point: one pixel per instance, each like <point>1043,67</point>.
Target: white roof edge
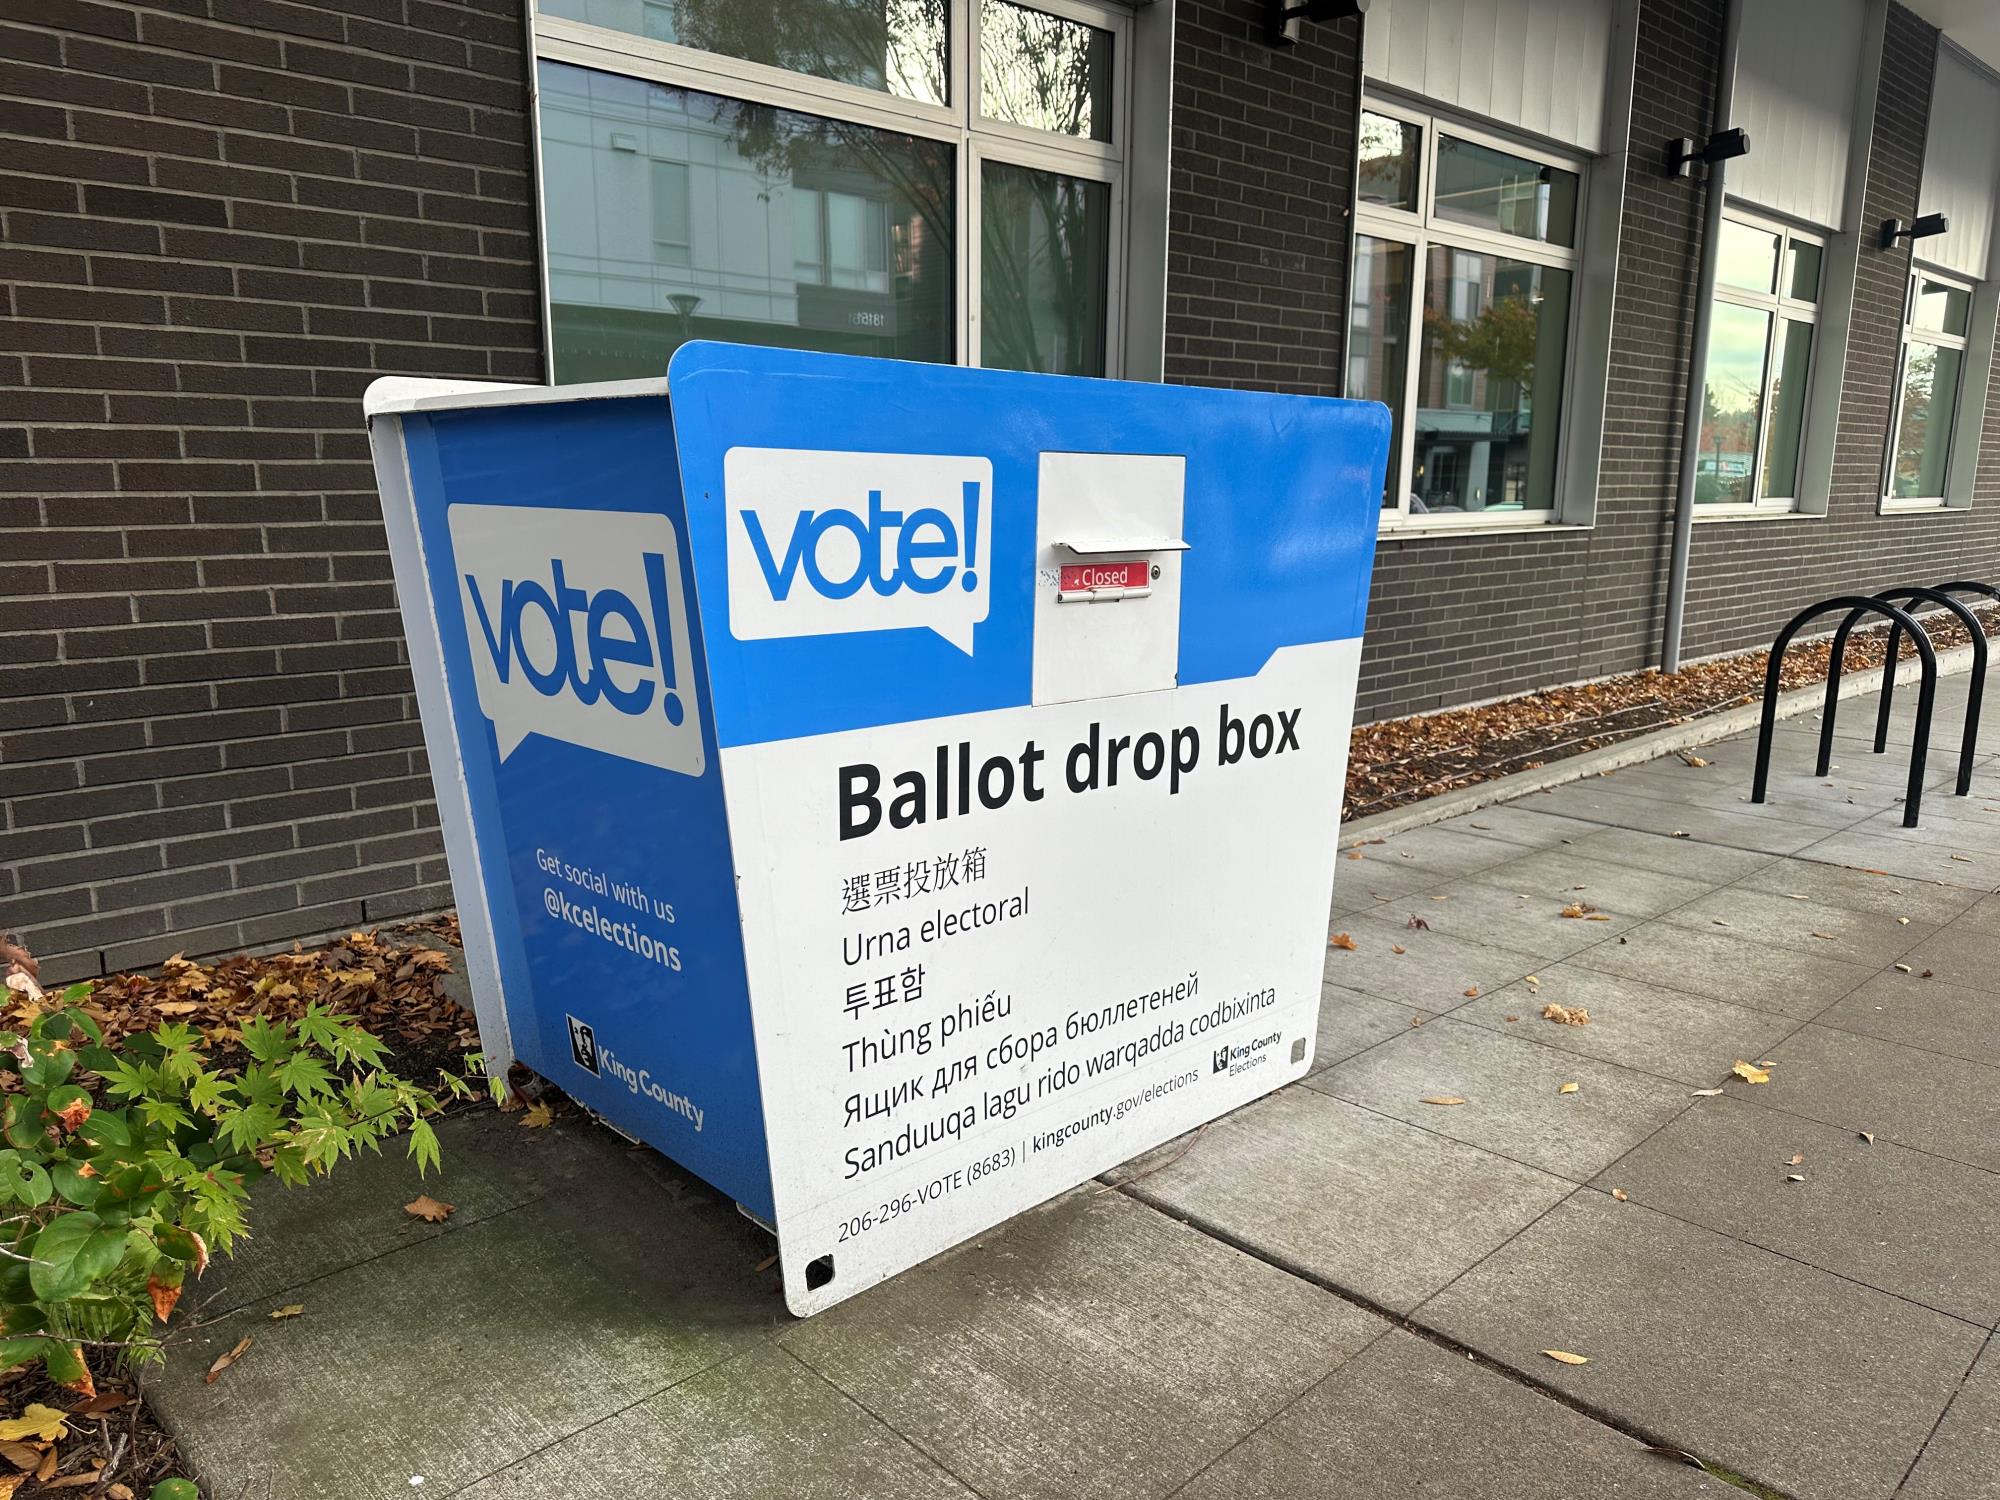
<point>393,394</point>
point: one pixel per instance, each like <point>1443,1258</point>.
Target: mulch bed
<point>114,1448</point>
<point>1400,761</point>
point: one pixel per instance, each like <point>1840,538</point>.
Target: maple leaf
<point>427,1208</point>
<point>44,1422</point>
<point>539,1116</point>
<point>1343,941</point>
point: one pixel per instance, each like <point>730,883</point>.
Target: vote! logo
<point>577,624</point>
<point>833,543</point>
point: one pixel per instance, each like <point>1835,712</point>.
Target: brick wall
<point>219,220</point>
<point>1458,618</point>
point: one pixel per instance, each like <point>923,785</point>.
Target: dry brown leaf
<point>766,1263</point>
<point>1343,941</point>
<point>289,1310</point>
<point>539,1116</point>
<point>1677,834</point>
<point>1577,910</point>
<point>1706,1093</point>
<point>1597,916</point>
<point>23,1456</point>
<point>1566,1357</point>
<point>44,1422</point>
<point>1795,1177</point>
<point>1867,1135</point>
<point>1398,948</point>
<point>1441,1099</point>
<point>1692,759</point>
<point>1903,921</point>
<point>1825,937</point>
<point>1510,1018</point>
<point>1902,968</point>
<point>223,1362</point>
<point>427,1208</point>
<point>1568,1088</point>
<point>1354,854</point>
<point>1798,1157</point>
<point>73,1481</point>
<point>164,1297</point>
<point>48,1464</point>
<point>1417,923</point>
<point>1750,1073</point>
<point>1565,1015</point>
<point>1621,1195</point>
<point>1472,992</point>
<point>11,1483</point>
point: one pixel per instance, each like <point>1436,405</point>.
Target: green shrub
<point>126,1165</point>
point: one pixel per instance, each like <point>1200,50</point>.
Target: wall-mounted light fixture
<point>1722,146</point>
<point>1916,229</point>
<point>1282,17</point>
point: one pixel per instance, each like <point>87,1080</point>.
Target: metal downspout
<point>1704,311</point>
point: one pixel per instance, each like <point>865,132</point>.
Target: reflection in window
<point>1498,190</point>
<point>1788,410</point>
<point>1386,172</point>
<point>1044,266</point>
<point>1494,337</point>
<point>1378,337</point>
<point>897,46</point>
<point>1940,307</point>
<point>1746,256</point>
<point>1732,401</point>
<point>1044,72</point>
<point>1923,426</point>
<point>673,214</point>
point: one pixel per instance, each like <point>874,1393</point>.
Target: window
<point>1937,319</point>
<point>807,173</point>
<point>1459,315</point>
<point>1760,348</point>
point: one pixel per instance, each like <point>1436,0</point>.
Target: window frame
<point>1920,273</point>
<point>959,124</point>
<point>1419,230</point>
<point>1782,308</point>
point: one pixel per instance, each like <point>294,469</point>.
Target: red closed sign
<point>1087,578</point>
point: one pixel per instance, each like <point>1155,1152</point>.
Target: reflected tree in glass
<point>1044,257</point>
<point>1044,71</point>
<point>894,45</point>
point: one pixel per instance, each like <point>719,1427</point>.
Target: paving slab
<point>1566,875</point>
<point>1356,882</point>
<point>1821,807</point>
<point>1091,1347</point>
<point>1511,1088</point>
<point>1865,848</point>
<point>1405,1417</point>
<point>1524,922</point>
<point>471,1350</point>
<point>1930,1014</point>
<point>1944,1105</point>
<point>1863,890</point>
<point>1379,1208</point>
<point>1351,1022</point>
<point>1691,859</point>
<point>1983,914</point>
<point>1438,851</point>
<point>1669,1033</point>
<point>1816,927</point>
<point>1969,956</point>
<point>1728,966</point>
<point>1951,821</point>
<point>1520,823</point>
<point>1958,1463</point>
<point>1754,832</point>
<point>1800,1380</point>
<point>490,1165</point>
<point>1433,971</point>
<point>1895,1219</point>
<point>760,1427</point>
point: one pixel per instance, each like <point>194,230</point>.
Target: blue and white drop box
<point>896,792</point>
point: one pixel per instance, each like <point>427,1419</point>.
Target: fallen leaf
<point>1677,1455</point>
<point>1621,1195</point>
<point>1531,979</point>
<point>1706,1093</point>
<point>120,1492</point>
<point>23,1456</point>
<point>1928,974</point>
<point>1597,916</point>
<point>73,1481</point>
<point>766,1263</point>
<point>1750,1073</point>
<point>1354,854</point>
<point>1868,1136</point>
<point>1903,921</point>
<point>1510,1018</point>
<point>1795,1177</point>
<point>1565,1015</point>
<point>44,1422</point>
<point>427,1208</point>
<point>1416,1021</point>
<point>1718,922</point>
<point>1398,948</point>
<point>1568,1088</point>
<point>1797,1158</point>
<point>1441,1099</point>
<point>222,1363</point>
<point>289,1310</point>
<point>1566,1357</point>
<point>48,1464</point>
<point>1964,859</point>
<point>1577,910</point>
<point>1417,923</point>
<point>1677,834</point>
<point>539,1116</point>
<point>1902,968</point>
<point>1472,992</point>
<point>1338,940</point>
<point>1692,759</point>
<point>1825,937</point>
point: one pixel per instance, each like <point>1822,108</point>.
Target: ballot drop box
<point>895,792</point>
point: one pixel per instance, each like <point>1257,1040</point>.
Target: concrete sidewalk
<point>1338,1291</point>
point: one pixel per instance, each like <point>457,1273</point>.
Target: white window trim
<point>1782,308</point>
<point>1904,504</point>
<point>973,137</point>
<point>1418,230</point>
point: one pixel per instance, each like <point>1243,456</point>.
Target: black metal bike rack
<point>1910,596</point>
<point>1855,605</point>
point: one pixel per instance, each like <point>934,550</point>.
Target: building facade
<point>220,219</point>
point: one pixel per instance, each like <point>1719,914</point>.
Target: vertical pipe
<point>1711,233</point>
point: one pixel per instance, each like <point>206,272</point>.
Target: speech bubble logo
<point>576,621</point>
<point>835,543</point>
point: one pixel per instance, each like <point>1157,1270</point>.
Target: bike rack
<point>1975,693</point>
<point>1909,595</point>
<point>1856,605</point>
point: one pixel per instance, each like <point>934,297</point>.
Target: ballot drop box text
<point>895,792</point>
